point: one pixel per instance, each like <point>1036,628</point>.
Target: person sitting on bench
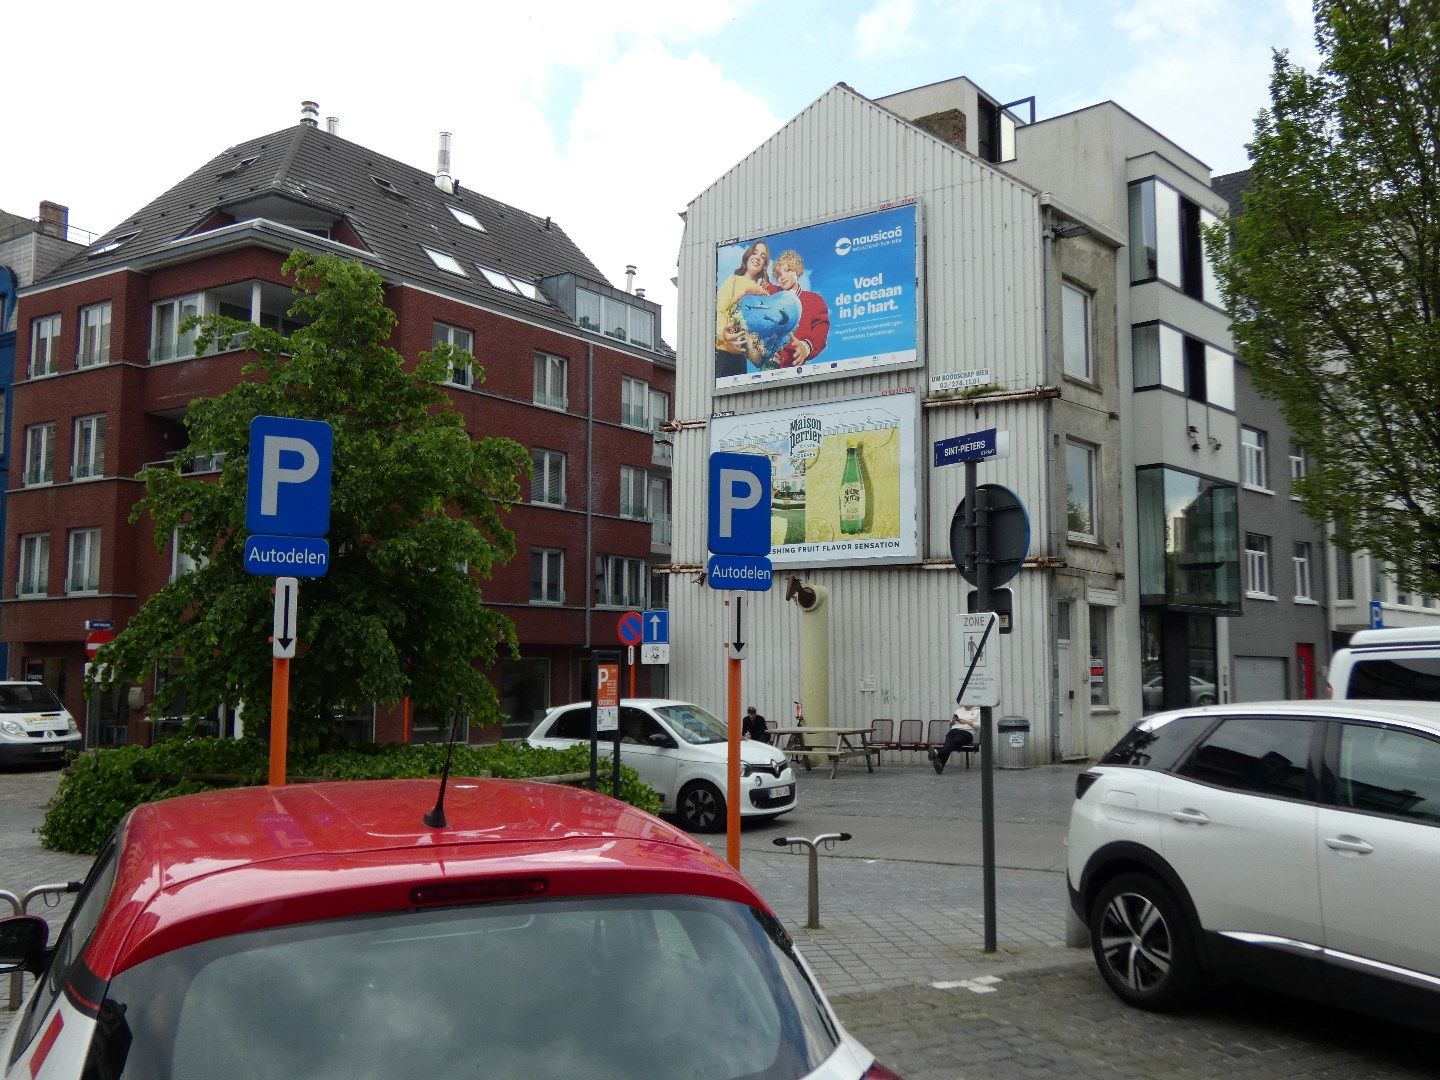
<point>962,733</point>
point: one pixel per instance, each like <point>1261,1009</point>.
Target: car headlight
<point>12,727</point>
<point>72,727</point>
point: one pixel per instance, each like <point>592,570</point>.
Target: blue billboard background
<point>852,310</point>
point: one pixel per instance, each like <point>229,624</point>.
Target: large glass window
<point>83,575</point>
<point>88,450</point>
<point>634,403</point>
<point>1166,241</point>
<point>550,381</point>
<point>620,582</point>
<point>461,371</point>
<point>34,577</point>
<point>634,488</point>
<point>39,454</point>
<point>1163,356</point>
<point>587,309</point>
<point>547,576</point>
<point>1075,330</point>
<point>44,340</point>
<point>1188,539</point>
<point>1080,490</point>
<point>548,484</point>
<point>167,340</point>
<point>94,335</point>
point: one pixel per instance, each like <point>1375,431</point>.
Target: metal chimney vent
<point>332,124</point>
<point>309,114</point>
<point>442,166</point>
<point>630,278</point>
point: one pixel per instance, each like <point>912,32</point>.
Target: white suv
<point>1294,844</point>
<point>681,751</point>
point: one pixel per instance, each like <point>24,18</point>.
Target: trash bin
<point>1011,736</point>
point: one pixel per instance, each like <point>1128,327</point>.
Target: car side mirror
<point>660,739</point>
<point>22,944</point>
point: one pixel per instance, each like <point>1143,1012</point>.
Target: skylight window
<point>445,262</point>
<point>465,217</point>
<point>238,167</point>
<point>528,290</point>
<point>387,188</point>
<point>110,245</point>
<point>499,280</point>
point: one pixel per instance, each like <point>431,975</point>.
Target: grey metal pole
<point>987,726</point>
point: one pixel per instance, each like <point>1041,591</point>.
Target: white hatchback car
<point>680,750</point>
<point>1295,844</point>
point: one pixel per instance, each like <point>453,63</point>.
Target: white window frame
<point>443,260</point>
<point>634,403</point>
<point>94,333</point>
<point>552,575</point>
<point>45,329</point>
<point>549,473</point>
<point>616,574</point>
<point>1090,500</point>
<point>34,571</point>
<point>82,564</point>
<point>552,378</point>
<point>457,337</point>
<point>1255,460</point>
<point>1304,572</point>
<point>1299,468</point>
<point>634,484</point>
<point>174,345</point>
<point>1259,572</point>
<point>181,563</point>
<point>1075,302</point>
<point>40,454</point>
<point>87,449</point>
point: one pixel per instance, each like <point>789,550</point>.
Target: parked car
<point>34,725</point>
<point>326,931</point>
<point>681,751</point>
<point>1202,692</point>
<point>1394,663</point>
<point>1293,844</point>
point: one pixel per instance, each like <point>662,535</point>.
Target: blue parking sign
<point>739,504</point>
<point>289,477</point>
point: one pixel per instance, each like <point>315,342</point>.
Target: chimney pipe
<point>639,294</point>
<point>332,124</point>
<point>629,278</point>
<point>309,114</point>
<point>442,167</point>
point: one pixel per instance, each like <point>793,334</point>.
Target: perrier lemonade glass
<point>854,494</point>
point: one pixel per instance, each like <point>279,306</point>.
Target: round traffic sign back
<point>1007,538</point>
<point>631,628</point>
<point>95,639</point>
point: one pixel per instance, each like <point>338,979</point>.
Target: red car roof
<point>226,862</point>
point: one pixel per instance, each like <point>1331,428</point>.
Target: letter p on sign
<point>739,518</point>
<point>289,478</point>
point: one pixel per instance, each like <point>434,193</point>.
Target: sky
<point>609,118</point>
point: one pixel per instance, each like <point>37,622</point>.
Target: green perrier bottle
<point>854,497</point>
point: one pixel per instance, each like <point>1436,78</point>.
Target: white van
<point>1397,663</point>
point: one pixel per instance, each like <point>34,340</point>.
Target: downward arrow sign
<point>287,597</point>
<point>739,612</point>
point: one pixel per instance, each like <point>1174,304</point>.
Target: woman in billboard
<point>751,277</point>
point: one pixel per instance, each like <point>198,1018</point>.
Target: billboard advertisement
<point>844,477</point>
<point>826,300</point>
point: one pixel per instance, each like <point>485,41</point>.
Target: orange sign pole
<point>279,719</point>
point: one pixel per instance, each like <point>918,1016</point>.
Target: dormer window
<point>445,262</point>
<point>236,168</point>
<point>465,217</point>
<point>387,188</point>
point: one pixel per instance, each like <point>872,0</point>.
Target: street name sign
<point>977,446</point>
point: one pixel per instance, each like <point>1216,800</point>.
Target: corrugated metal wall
<point>982,293</point>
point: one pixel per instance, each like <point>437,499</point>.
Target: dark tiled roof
<point>323,174</point>
<point>1231,187</point>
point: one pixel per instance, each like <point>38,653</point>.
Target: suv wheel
<point>701,807</point>
<point>1142,943</point>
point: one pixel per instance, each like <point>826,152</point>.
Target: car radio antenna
<point>435,818</point>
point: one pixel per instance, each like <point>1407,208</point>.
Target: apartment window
<point>34,565</point>
<point>615,318</point>
<point>94,335</point>
<point>1254,459</point>
<point>1188,540</point>
<point>1304,587</point>
<point>87,458</point>
<point>1075,330</point>
<point>1165,357</point>
<point>634,485</point>
<point>547,576</point>
<point>44,339</point>
<point>548,484</point>
<point>1100,655</point>
<point>620,582</point>
<point>39,454</point>
<point>1344,574</point>
<point>461,371</point>
<point>550,381</point>
<point>587,309</point>
<point>1299,468</point>
<point>1166,242</point>
<point>1258,579</point>
<point>181,561</point>
<point>83,573</point>
<point>168,341</point>
<point>1080,490</point>
<point>634,403</point>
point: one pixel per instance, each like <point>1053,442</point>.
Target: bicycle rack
<point>20,905</point>
<point>800,843</point>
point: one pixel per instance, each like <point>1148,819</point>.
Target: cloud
<point>885,30</point>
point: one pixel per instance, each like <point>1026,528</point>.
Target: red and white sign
<point>95,639</point>
<point>607,697</point>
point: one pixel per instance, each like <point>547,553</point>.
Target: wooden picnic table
<point>828,743</point>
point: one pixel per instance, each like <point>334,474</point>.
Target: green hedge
<point>100,787</point>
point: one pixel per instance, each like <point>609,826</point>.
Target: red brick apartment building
<point>574,368</point>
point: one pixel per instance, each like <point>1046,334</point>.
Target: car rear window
<point>1152,746</point>
<point>604,988</point>
<point>27,697</point>
<point>1403,678</point>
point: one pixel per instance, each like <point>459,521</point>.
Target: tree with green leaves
<point>416,522</point>
<point>1332,274</point>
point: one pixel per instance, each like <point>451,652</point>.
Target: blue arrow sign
<point>656,627</point>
